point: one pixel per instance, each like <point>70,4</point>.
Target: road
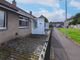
<point>62,48</point>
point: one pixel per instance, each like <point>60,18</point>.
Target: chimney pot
<point>30,12</point>
<point>14,3</point>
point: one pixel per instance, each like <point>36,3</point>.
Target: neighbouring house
<point>58,24</point>
<point>70,24</point>
<point>39,25</point>
<point>14,21</point>
<point>67,23</point>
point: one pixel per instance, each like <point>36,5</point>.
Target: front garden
<point>23,48</point>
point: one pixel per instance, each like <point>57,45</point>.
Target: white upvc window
<point>23,22</point>
<point>2,19</point>
<point>34,23</point>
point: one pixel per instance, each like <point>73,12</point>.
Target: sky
<point>54,10</point>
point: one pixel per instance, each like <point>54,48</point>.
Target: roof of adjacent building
<point>41,16</point>
<point>58,23</point>
<point>46,20</point>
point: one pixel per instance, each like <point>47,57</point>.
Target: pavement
<point>62,48</point>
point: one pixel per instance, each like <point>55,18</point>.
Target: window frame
<point>35,24</point>
<point>5,21</point>
<point>23,19</point>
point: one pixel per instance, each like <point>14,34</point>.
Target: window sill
<point>23,27</point>
<point>2,28</point>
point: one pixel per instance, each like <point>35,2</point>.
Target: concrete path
<point>63,48</point>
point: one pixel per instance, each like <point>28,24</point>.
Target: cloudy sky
<point>54,10</point>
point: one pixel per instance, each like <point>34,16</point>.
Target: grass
<point>72,33</point>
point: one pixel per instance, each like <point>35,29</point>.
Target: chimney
<point>30,12</point>
<point>14,3</point>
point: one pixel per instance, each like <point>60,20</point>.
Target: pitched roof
<point>21,11</point>
<point>46,20</point>
<point>41,16</point>
<point>16,9</point>
<point>7,4</point>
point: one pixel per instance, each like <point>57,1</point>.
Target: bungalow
<point>14,21</point>
<point>39,25</point>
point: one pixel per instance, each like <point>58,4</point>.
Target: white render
<point>46,25</point>
<point>40,29</point>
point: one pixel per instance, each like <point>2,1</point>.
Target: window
<point>2,20</point>
<point>34,23</point>
<point>44,24</point>
<point>23,22</point>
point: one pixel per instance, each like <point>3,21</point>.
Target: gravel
<point>22,48</point>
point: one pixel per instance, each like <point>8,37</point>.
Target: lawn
<point>74,34</point>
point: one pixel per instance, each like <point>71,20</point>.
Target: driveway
<point>62,48</point>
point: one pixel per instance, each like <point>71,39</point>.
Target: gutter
<point>16,11</point>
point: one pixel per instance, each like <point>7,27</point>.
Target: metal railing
<point>47,54</point>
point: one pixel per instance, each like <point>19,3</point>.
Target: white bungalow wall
<point>46,25</point>
<point>40,29</point>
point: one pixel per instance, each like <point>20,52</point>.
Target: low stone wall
<point>75,26</point>
<point>44,49</point>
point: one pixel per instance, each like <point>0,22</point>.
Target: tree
<point>75,19</point>
<point>51,24</point>
<point>46,20</point>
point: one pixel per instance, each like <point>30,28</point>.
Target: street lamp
<point>65,12</point>
<point>66,9</point>
<point>65,23</point>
